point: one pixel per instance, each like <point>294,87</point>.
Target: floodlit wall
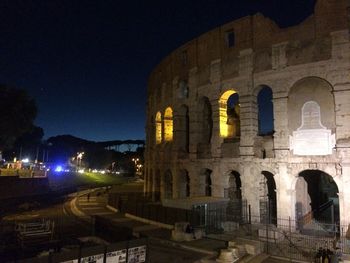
<point>309,62</point>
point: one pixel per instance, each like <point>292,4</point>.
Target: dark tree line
<point>20,138</point>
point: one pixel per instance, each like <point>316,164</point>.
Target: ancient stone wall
<point>307,64</point>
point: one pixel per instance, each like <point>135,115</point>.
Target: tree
<point>17,113</point>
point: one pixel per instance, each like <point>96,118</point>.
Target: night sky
<point>86,63</point>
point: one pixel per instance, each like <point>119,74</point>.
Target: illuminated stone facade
<point>205,145</point>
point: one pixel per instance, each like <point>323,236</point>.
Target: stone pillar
<point>281,136</point>
<point>216,140</point>
<point>342,109</point>
<point>250,189</point>
<point>217,182</point>
<point>344,195</point>
<point>249,127</point>
<point>192,113</point>
<point>215,79</point>
<point>285,193</point>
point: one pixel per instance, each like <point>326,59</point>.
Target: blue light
<point>58,169</point>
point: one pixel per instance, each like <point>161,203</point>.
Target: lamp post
<point>138,166</point>
<point>79,157</point>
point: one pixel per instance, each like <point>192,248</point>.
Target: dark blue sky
<point>86,63</point>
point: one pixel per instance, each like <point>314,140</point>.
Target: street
<point>74,217</point>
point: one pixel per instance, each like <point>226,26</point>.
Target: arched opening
<point>311,89</point>
<point>207,182</point>
<point>168,185</point>
<point>158,127</point>
<point>184,184</point>
<point>183,129</point>
<point>267,199</point>
<point>229,110</point>
<point>183,89</point>
<point>205,127</point>
<point>168,124</point>
<point>316,199</point>
<point>234,194</point>
<point>265,111</point>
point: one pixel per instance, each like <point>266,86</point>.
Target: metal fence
<point>281,237</point>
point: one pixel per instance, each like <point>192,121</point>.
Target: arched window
<point>265,109</point>
<point>229,109</point>
<point>158,127</point>
<point>183,89</point>
<point>208,182</point>
<point>168,124</point>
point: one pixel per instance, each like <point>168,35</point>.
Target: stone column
<point>215,79</point>
<point>216,140</point>
<point>285,192</point>
<point>344,195</point>
<point>217,182</point>
<point>250,189</point>
<point>192,113</point>
<point>281,136</point>
<point>249,127</point>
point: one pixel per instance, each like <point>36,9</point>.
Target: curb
<point>75,210</point>
<point>111,208</point>
<point>179,245</point>
<point>147,221</point>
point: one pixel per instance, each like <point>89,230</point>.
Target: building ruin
<point>212,135</point>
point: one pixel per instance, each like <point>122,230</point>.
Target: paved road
<point>160,251</point>
<point>73,218</point>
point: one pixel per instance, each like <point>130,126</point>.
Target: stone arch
<point>206,182</point>
<point>183,126</point>
<point>158,128</point>
<point>267,198</point>
<point>168,124</point>
<point>229,110</point>
<point>183,90</point>
<point>234,194</point>
<point>265,110</point>
<point>184,184</point>
<point>168,185</point>
<point>311,89</point>
<point>316,198</point>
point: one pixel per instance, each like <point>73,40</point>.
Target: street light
<point>79,157</point>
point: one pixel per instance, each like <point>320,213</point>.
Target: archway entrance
<point>234,194</point>
<point>267,199</point>
<point>316,198</point>
<point>205,179</point>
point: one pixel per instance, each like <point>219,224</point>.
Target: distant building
<point>209,138</point>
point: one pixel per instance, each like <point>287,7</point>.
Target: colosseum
<point>254,117</point>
